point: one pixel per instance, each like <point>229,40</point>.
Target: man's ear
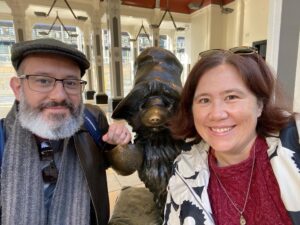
<point>15,85</point>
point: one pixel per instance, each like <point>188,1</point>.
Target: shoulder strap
<point>91,125</point>
<point>2,139</point>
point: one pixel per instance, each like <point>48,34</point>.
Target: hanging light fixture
<point>195,5</point>
<point>145,32</point>
<point>43,14</point>
<point>173,21</point>
<point>162,18</point>
<point>225,10</point>
<point>64,27</point>
<point>198,4</point>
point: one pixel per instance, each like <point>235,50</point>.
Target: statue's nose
<point>155,116</point>
<point>155,119</point>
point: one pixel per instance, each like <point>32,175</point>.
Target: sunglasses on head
<point>50,172</point>
<point>242,50</point>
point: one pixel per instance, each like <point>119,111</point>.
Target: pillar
<point>116,69</point>
<point>89,93</point>
<point>283,47</point>
<point>155,30</point>
<point>18,12</point>
<point>96,48</point>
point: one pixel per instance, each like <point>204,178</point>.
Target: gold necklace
<point>242,218</point>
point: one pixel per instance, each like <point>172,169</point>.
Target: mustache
<point>64,103</point>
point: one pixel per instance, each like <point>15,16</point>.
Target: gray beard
<point>57,126</point>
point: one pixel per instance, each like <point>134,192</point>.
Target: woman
<point>241,164</point>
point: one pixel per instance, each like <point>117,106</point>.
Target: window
<point>7,39</point>
<point>143,42</point>
<point>57,32</point>
<point>163,41</point>
<point>126,54</point>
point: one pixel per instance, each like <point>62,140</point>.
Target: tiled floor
<point>116,182</point>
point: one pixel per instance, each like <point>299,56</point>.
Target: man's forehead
<point>41,63</point>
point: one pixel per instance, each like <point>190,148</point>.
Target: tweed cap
<point>48,45</point>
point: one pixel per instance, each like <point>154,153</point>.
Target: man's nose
<point>58,92</point>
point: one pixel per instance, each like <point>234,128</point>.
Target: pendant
<point>242,220</point>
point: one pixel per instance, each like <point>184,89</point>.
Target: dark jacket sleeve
<point>94,164</point>
<point>289,137</point>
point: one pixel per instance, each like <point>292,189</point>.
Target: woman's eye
<point>231,97</point>
<point>204,100</point>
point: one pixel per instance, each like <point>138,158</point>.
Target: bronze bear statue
<point>147,108</point>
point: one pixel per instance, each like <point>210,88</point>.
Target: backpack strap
<point>91,125</point>
<point>2,139</point>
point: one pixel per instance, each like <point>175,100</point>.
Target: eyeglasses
<point>49,172</point>
<point>242,50</point>
<point>40,83</point>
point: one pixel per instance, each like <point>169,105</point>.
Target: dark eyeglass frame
<point>50,172</point>
<point>242,50</point>
<point>82,83</point>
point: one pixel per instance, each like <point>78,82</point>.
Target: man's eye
<point>43,81</point>
<point>71,83</point>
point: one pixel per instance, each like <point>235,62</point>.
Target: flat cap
<point>48,45</point>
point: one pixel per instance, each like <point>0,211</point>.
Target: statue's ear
<point>130,105</point>
<point>122,111</point>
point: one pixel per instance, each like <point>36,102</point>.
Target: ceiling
<point>178,6</point>
<point>135,12</point>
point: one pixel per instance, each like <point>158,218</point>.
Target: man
<point>52,170</point>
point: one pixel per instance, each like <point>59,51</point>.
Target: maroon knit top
<point>264,205</point>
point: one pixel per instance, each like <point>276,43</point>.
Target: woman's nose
<point>218,111</point>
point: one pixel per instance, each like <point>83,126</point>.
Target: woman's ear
<point>15,85</point>
<point>260,107</point>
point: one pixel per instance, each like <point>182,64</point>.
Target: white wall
<point>200,32</point>
<point>211,29</point>
<point>255,21</point>
<point>233,25</point>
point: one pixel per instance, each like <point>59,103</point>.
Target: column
<point>155,37</point>
<point>18,12</point>
<point>135,49</point>
<point>155,30</point>
<point>134,40</point>
<point>96,47</point>
<point>283,46</point>
<point>89,93</point>
<point>116,69</point>
<point>173,40</point>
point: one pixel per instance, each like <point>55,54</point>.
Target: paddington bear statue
<point>147,108</point>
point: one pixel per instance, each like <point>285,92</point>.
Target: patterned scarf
<point>22,192</point>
